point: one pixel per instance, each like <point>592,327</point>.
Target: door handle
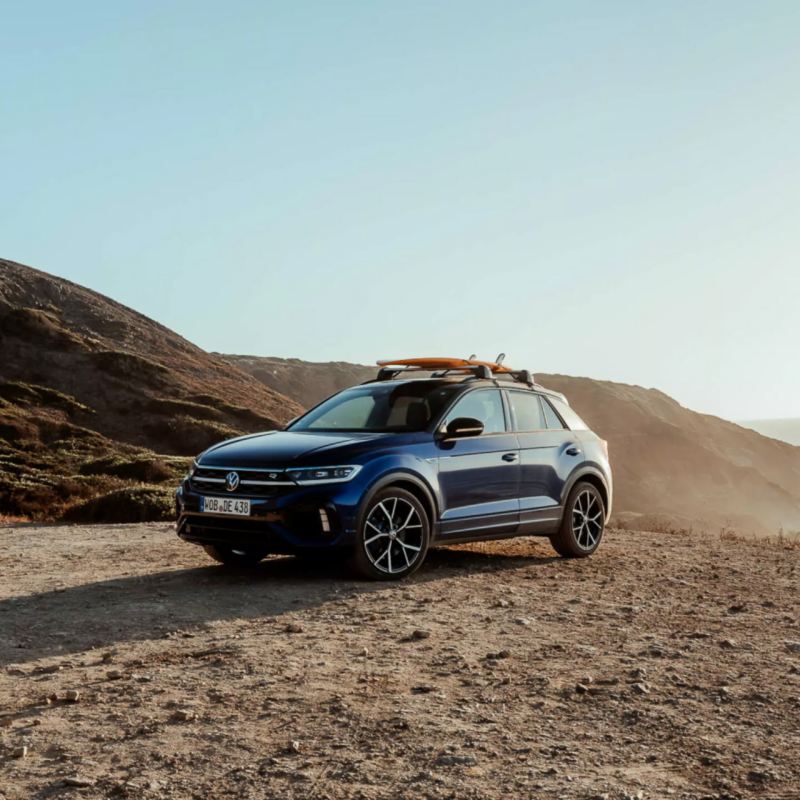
<point>573,451</point>
<point>510,456</point>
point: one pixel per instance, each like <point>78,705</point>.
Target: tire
<point>583,523</point>
<point>393,535</point>
<point>235,557</point>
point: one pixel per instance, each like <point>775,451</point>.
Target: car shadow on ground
<point>106,613</point>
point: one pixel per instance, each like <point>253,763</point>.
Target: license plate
<point>225,505</point>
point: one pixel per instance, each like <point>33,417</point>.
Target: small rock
<point>419,634</point>
<point>115,674</point>
<point>581,688</point>
<point>72,695</point>
<point>792,647</point>
<point>293,627</point>
<point>638,674</point>
<point>759,776</point>
<point>522,621</point>
<point>294,746</point>
<point>454,760</point>
<point>728,644</point>
<point>502,603</point>
<point>20,752</point>
<point>184,715</point>
<point>641,688</point>
<point>499,655</point>
<point>738,608</point>
<point>422,689</point>
<point>79,781</point>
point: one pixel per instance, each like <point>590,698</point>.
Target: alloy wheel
<point>587,520</point>
<point>393,535</point>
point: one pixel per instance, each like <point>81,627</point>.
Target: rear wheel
<point>583,523</point>
<point>393,535</point>
<point>235,556</point>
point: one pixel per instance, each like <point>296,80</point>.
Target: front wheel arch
<point>411,483</point>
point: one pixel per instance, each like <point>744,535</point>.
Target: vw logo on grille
<point>232,481</point>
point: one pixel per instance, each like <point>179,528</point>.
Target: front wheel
<point>393,535</point>
<point>583,523</point>
<point>235,556</point>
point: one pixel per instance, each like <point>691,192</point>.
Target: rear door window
<point>527,411</point>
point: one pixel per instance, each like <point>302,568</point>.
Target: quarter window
<point>551,417</point>
<point>485,405</point>
<point>527,411</point>
<point>574,422</point>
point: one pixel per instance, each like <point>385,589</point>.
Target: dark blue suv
<point>385,470</point>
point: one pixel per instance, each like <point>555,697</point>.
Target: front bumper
<point>292,519</point>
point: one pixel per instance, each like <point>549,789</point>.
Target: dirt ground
<point>666,666</point>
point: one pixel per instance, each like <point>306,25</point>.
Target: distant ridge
<point>786,430</point>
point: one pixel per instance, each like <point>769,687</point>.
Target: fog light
<point>324,521</point>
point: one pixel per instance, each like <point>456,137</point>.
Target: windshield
<point>380,408</point>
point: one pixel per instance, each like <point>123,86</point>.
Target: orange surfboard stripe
<point>441,363</point>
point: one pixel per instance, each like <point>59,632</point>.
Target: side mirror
<point>462,427</point>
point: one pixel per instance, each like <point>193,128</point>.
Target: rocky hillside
<point>673,467</point>
<point>95,397</point>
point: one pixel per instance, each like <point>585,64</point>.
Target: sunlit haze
<point>603,189</point>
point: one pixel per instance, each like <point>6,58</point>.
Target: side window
<point>551,417</point>
<point>485,405</point>
<point>527,411</point>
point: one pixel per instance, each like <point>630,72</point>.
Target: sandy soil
<point>665,666</point>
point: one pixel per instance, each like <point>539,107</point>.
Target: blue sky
<point>608,189</point>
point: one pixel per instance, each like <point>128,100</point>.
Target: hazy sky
<point>608,189</point>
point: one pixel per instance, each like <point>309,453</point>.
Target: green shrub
<point>130,366</point>
<point>146,469</point>
<point>165,406</point>
<point>131,504</point>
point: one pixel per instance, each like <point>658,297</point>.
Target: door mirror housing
<point>462,427</point>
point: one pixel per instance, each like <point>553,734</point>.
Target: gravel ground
<point>665,666</point>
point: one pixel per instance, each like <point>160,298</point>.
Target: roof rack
<point>477,370</point>
<point>441,367</point>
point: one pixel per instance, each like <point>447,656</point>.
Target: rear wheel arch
<point>589,476</point>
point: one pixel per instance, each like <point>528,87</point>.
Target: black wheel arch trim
<point>582,472</point>
<point>401,476</point>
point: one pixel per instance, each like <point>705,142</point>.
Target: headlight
<point>191,471</point>
<point>306,475</point>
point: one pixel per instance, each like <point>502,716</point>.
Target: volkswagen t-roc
<point>383,471</point>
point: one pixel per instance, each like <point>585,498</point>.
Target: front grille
<point>252,482</point>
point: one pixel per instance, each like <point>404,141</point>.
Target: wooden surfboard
<point>442,363</point>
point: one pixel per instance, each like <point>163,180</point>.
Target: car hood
<point>282,448</point>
